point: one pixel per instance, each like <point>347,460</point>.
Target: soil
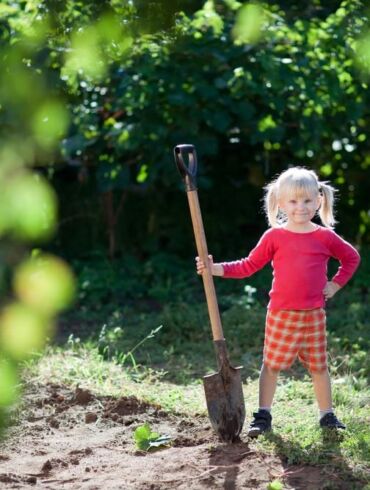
<point>75,440</point>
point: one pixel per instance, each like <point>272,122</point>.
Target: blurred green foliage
<point>33,119</point>
<point>28,206</point>
<point>47,49</point>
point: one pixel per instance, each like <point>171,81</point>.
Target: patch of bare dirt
<point>76,440</point>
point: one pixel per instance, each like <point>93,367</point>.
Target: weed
<point>275,485</point>
<point>109,341</point>
<point>147,440</point>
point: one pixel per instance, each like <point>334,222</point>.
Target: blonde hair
<point>298,181</point>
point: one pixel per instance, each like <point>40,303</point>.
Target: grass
<point>112,344</point>
<point>87,368</point>
<point>297,438</point>
<point>297,434</point>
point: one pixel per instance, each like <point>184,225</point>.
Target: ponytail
<point>326,211</point>
<point>298,180</point>
<point>271,204</point>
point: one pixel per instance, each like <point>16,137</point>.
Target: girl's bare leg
<point>322,389</point>
<point>267,386</point>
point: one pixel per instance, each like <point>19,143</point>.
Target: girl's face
<point>299,208</point>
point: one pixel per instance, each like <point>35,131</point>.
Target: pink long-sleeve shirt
<point>299,262</point>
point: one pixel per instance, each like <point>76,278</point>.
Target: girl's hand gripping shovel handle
<point>188,173</point>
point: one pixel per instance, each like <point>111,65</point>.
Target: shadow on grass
<point>242,465</point>
<point>323,466</point>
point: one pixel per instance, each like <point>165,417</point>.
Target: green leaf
<point>146,439</point>
<point>143,174</point>
<point>266,123</point>
<point>208,18</point>
<point>141,433</point>
<point>275,485</point>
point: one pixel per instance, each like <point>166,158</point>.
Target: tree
<point>293,96</point>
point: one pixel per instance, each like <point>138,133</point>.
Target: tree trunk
<point>111,217</point>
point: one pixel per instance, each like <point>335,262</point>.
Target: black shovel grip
<point>187,172</point>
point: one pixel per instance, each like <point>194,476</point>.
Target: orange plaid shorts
<point>292,333</point>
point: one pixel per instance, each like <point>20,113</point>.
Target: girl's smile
<point>299,210</point>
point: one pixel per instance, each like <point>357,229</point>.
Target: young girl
<point>299,251</point>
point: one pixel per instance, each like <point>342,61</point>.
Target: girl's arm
<point>348,257</point>
<point>256,260</point>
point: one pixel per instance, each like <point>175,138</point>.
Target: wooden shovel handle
<point>207,276</point>
<point>189,174</point>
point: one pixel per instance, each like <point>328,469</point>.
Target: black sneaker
<point>330,421</point>
<point>260,424</point>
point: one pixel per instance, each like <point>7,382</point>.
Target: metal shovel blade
<point>224,397</point>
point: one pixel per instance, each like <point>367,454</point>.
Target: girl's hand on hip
<point>330,289</point>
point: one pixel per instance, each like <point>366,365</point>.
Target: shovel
<point>223,390</point>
